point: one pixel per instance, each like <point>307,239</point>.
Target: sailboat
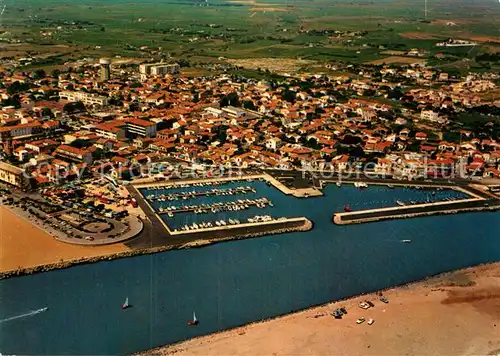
<point>126,304</point>
<point>193,322</point>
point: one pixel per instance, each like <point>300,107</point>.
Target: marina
<point>216,207</point>
<point>231,208</point>
<point>193,194</point>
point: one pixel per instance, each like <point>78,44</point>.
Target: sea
<point>234,283</point>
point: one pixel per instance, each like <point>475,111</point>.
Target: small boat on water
<point>390,186</point>
<point>126,304</point>
<point>400,203</point>
<point>406,241</point>
<point>193,322</point>
<point>339,184</point>
<point>360,185</point>
<point>347,208</point>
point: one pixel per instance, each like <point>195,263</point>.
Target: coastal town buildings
<point>86,98</point>
<point>13,175</point>
<point>240,122</point>
<point>157,69</point>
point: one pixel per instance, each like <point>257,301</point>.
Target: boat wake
<point>25,315</point>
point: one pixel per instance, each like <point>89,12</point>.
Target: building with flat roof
<point>158,69</point>
<point>86,98</point>
<point>13,175</point>
<point>141,127</point>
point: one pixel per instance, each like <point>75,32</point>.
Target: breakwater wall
<point>375,215</point>
<point>300,224</point>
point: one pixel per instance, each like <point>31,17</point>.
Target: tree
<point>55,73</point>
<point>74,107</point>
<point>13,100</point>
<point>39,73</point>
<point>221,133</point>
<point>289,96</point>
<point>230,99</point>
<point>249,105</point>
<point>17,87</point>
<point>47,112</point>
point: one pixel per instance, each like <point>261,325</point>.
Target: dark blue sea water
<point>233,283</point>
<point>374,197</point>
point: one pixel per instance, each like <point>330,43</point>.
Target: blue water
<point>230,284</point>
<point>287,206</point>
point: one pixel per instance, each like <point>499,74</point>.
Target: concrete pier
<point>401,212</point>
<point>298,193</point>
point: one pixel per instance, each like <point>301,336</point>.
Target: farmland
<point>313,30</point>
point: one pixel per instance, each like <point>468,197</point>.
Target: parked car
<point>364,305</point>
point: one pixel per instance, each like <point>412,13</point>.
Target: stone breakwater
<point>302,225</point>
<point>337,218</point>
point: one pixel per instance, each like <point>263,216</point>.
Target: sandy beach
<point>457,313</point>
<point>24,244</point>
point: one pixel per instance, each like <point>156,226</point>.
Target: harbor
<point>229,211</point>
<point>166,270</point>
<point>469,199</point>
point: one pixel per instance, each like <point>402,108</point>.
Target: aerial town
<point>145,159</point>
<point>249,177</point>
<point>58,127</point>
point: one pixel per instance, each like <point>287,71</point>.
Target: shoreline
<point>223,336</point>
<point>306,226</point>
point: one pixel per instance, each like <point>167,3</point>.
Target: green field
<point>253,28</point>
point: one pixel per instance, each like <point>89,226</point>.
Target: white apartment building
<point>85,98</point>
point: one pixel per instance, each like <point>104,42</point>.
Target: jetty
<point>428,209</point>
<point>194,194</point>
<point>304,192</point>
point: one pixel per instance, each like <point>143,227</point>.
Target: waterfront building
<point>13,175</point>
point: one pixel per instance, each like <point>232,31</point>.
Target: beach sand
<point>24,244</point>
<point>456,313</point>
